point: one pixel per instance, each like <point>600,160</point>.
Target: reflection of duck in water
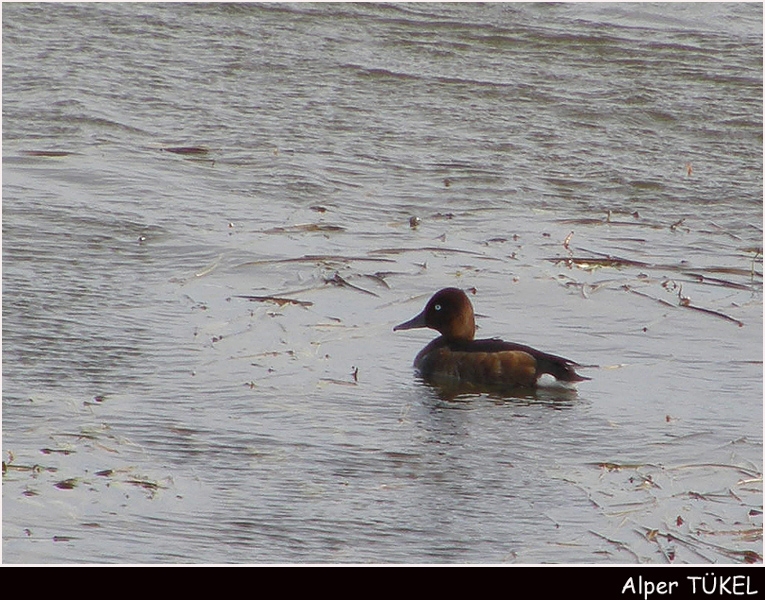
<point>455,358</point>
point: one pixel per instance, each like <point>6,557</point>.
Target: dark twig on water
<point>714,313</point>
<point>683,303</point>
<point>590,263</point>
<point>336,279</point>
<point>193,150</point>
<point>316,258</point>
<point>276,300</point>
<point>619,545</point>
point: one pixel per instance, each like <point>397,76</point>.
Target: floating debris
<point>209,269</point>
<point>713,312</point>
<point>684,302</point>
<point>145,483</point>
<point>608,221</point>
<point>432,249</point>
<point>336,279</point>
<point>28,468</point>
<point>67,484</point>
<point>46,153</point>
<point>677,224</point>
<point>306,228</point>
<point>338,381</point>
<point>699,278</point>
<point>378,277</point>
<point>593,263</point>
<point>193,150</point>
<point>315,258</point>
<point>276,300</point>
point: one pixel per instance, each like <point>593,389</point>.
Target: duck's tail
<point>560,368</point>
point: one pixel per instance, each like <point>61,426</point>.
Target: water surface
<point>594,172</point>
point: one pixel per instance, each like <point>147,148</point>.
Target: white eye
<point>437,307</point>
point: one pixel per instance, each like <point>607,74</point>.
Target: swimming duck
<point>455,358</point>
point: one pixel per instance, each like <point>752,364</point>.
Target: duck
<point>456,358</point>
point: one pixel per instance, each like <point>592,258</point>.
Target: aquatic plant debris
<point>654,502</point>
<point>46,153</point>
<point>336,279</point>
<point>683,303</point>
<point>193,150</point>
<point>698,275</point>
<point>315,258</point>
<point>276,300</point>
<point>306,228</point>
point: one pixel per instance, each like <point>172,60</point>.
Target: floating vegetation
<point>145,483</point>
<point>379,277</point>
<point>67,484</point>
<point>654,518</point>
<point>276,300</point>
<point>336,279</point>
<point>611,466</point>
<point>588,264</point>
<point>10,465</point>
<point>714,313</point>
<point>637,221</point>
<point>701,275</point>
<point>706,279</point>
<point>441,249</point>
<point>209,269</point>
<point>338,381</point>
<point>609,221</point>
<point>307,228</point>
<point>187,150</point>
<point>684,302</point>
<point>319,259</point>
<point>46,153</point>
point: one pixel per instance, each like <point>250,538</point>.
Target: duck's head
<point>449,312</point>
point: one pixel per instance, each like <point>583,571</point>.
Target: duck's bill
<point>416,323</point>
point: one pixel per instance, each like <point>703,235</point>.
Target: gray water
<point>153,414</point>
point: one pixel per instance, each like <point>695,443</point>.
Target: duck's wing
<point>557,366</point>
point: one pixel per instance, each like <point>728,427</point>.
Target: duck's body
<point>456,358</point>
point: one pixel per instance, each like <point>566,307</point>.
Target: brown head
<point>449,312</point>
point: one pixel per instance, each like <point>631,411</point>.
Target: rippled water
<point>593,171</point>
